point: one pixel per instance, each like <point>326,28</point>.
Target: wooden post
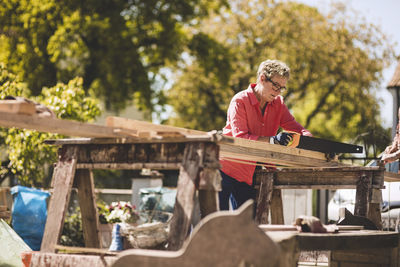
<point>184,203</point>
<point>374,210</point>
<point>277,207</point>
<point>209,185</point>
<point>363,194</point>
<point>199,170</point>
<point>264,197</point>
<point>63,177</point>
<point>87,203</point>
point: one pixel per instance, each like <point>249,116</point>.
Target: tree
<point>336,63</point>
<point>117,46</point>
<point>27,155</point>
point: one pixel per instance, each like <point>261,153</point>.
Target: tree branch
<point>321,103</point>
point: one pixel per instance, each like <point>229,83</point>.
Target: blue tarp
<point>29,214</point>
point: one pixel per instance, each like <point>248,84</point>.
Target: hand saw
<point>322,145</point>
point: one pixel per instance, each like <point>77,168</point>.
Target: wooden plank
<point>363,239</point>
<point>143,126</point>
<point>98,251</point>
<point>39,259</point>
<point>369,257</point>
<point>87,202</point>
<point>16,106</point>
<point>184,202</point>
<point>324,177</point>
<point>264,197</point>
<point>246,143</point>
<point>53,125</point>
<point>363,192</point>
<point>392,177</point>
<point>128,140</point>
<point>263,154</point>
<point>198,159</point>
<point>130,166</point>
<point>63,177</point>
<point>277,207</point>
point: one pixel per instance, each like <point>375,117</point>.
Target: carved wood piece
<point>221,239</point>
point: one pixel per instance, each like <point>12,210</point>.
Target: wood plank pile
<point>21,115</point>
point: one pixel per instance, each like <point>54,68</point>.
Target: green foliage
<point>69,101</point>
<point>72,233</point>
<point>118,46</point>
<point>336,63</point>
<point>29,157</point>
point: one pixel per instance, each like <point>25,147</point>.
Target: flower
<point>120,211</point>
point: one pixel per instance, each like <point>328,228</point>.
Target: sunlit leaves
<point>113,45</point>
<point>29,158</point>
<point>336,63</point>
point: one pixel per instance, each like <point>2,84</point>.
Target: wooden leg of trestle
<point>63,177</point>
<point>87,202</point>
<point>184,202</point>
<point>264,198</point>
<point>277,207</point>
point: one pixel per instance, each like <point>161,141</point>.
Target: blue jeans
<point>238,192</point>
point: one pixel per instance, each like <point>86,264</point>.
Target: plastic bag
<point>29,213</point>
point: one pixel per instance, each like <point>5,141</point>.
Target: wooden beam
<point>63,177</point>
<point>286,156</point>
<point>130,166</point>
<point>87,202</point>
<point>247,144</point>
<point>16,106</point>
<point>392,177</point>
<point>323,177</point>
<point>54,125</point>
<point>144,127</point>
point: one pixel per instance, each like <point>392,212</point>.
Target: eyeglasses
<point>277,86</point>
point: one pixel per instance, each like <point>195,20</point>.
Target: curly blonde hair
<point>270,68</point>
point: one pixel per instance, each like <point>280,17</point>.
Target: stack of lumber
<point>12,114</point>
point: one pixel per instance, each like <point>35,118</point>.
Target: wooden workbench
<point>364,248</point>
<point>196,158</point>
<point>368,182</point>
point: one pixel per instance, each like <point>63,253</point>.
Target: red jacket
<point>244,120</point>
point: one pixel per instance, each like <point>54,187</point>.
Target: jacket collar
<point>253,98</point>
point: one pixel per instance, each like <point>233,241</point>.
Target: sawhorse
<point>196,159</point>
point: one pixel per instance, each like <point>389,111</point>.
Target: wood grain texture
<point>63,177</point>
<point>68,260</point>
<point>87,203</point>
<point>323,177</point>
<point>143,127</point>
<point>184,202</point>
<point>277,207</point>
<point>213,244</point>
<point>17,107</point>
<point>264,195</point>
<point>53,125</point>
<point>199,160</point>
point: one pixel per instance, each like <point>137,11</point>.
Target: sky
<point>385,14</point>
